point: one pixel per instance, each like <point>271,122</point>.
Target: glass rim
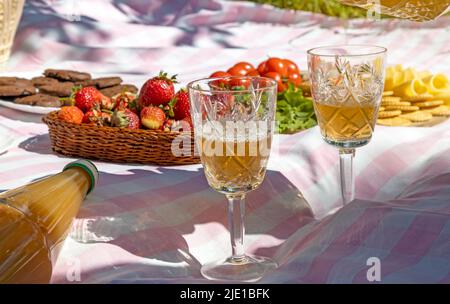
<point>191,84</point>
<point>381,50</point>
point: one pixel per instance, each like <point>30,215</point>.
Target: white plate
<point>6,139</point>
<point>26,108</point>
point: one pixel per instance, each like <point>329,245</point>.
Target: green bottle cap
<point>90,169</point>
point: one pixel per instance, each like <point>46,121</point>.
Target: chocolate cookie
<point>15,81</point>
<point>42,81</point>
<point>60,89</point>
<point>16,90</point>
<point>110,92</point>
<point>7,80</point>
<point>86,83</point>
<point>41,100</point>
<point>106,82</point>
<point>101,83</point>
<point>67,75</point>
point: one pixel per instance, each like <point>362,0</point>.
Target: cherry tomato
<point>239,82</point>
<point>295,79</point>
<point>276,65</point>
<point>291,66</point>
<point>277,77</point>
<point>262,68</point>
<point>245,65</point>
<point>253,73</point>
<point>221,83</point>
<point>219,74</point>
<point>237,71</point>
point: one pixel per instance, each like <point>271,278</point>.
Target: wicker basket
<point>116,144</point>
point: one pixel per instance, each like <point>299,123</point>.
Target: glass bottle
<point>35,220</point>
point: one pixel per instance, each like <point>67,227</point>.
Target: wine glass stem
<point>236,212</point>
<point>347,178</point>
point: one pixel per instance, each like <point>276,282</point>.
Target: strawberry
<point>167,126</point>
<point>180,104</point>
<point>152,117</point>
<point>88,98</point>
<point>126,100</point>
<point>125,119</point>
<point>107,103</point>
<point>157,91</point>
<point>98,118</point>
<point>71,114</point>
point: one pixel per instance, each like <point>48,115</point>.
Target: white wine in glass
<point>233,124</point>
<point>347,83</point>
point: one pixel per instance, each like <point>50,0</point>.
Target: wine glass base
<point>249,268</point>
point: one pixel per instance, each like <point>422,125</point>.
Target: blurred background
<point>195,37</point>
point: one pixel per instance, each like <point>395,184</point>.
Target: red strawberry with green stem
<point>157,91</point>
<point>125,119</point>
<point>88,98</point>
<point>126,100</point>
<point>180,105</point>
<point>152,117</point>
<point>98,118</point>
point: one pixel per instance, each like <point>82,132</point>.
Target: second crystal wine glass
<point>347,84</point>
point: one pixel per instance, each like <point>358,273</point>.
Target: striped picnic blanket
<point>160,224</point>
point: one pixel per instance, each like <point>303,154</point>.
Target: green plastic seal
<point>90,169</point>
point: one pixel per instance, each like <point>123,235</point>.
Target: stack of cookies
<point>410,111</point>
<point>55,86</point>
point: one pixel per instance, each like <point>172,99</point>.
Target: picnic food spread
<point>153,220</point>
<point>414,98</point>
<point>158,106</point>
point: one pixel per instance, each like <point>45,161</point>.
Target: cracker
<point>402,108</point>
<point>394,122</point>
<point>418,98</point>
<point>417,116</point>
<point>431,103</point>
<point>439,111</point>
<point>390,98</point>
<point>388,93</point>
<point>387,114</point>
<point>395,103</point>
<point>381,108</point>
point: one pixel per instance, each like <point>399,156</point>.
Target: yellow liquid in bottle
<point>34,221</point>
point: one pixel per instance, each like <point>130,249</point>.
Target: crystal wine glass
<point>347,84</point>
<point>233,121</point>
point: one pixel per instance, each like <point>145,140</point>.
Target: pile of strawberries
<point>157,107</point>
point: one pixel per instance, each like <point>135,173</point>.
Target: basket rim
<point>52,117</point>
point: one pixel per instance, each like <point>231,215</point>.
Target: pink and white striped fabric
<point>150,224</point>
